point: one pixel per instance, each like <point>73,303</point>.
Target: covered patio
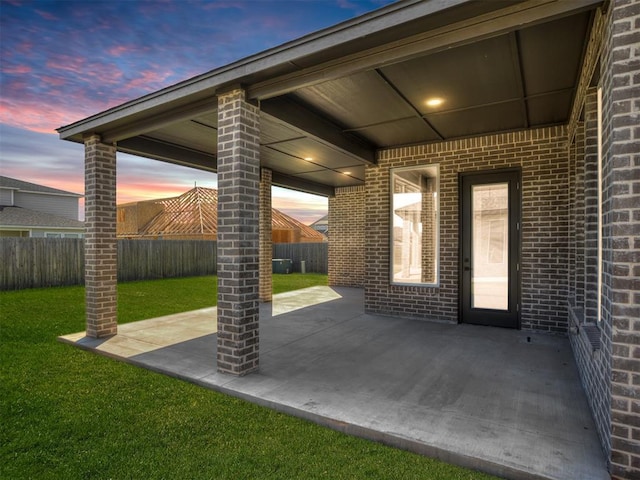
<point>506,402</point>
<point>526,109</point>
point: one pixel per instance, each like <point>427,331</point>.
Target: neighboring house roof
<point>321,225</point>
<point>192,213</point>
<point>22,186</point>
<point>196,213</point>
<point>408,211</point>
<point>285,222</point>
<point>321,221</point>
<point>23,217</point>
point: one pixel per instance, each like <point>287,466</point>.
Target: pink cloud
<point>24,48</point>
<point>130,191</point>
<point>17,69</point>
<point>40,118</point>
<point>103,74</point>
<point>67,63</point>
<point>43,108</point>
<point>221,5</point>
<point>120,50</point>
<point>47,15</point>
<point>305,208</point>
<point>147,80</point>
<point>53,81</point>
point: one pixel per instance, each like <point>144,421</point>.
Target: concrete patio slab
<point>502,401</point>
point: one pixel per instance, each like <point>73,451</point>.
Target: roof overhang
<point>301,85</point>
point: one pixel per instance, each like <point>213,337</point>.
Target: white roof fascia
<point>40,227</point>
<point>31,192</point>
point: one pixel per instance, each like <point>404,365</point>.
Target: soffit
<point>521,79</point>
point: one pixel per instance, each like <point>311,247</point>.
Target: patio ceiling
<point>329,100</point>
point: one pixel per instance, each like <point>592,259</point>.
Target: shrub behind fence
<point>50,262</point>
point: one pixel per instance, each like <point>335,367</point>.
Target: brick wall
<point>238,233</point>
<point>542,155</point>
<point>266,287</point>
<point>101,247</point>
<point>346,241</point>
<point>620,83</point>
<point>591,344</point>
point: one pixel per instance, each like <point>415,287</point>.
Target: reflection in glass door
<point>490,241</point>
<point>490,271</point>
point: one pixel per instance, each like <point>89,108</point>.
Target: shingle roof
<point>321,221</point>
<point>23,217</point>
<point>15,184</point>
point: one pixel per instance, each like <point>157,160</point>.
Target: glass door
<point>490,260</point>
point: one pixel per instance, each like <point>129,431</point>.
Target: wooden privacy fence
<point>151,259</point>
<point>314,255</point>
<point>41,262</point>
<point>50,262</point>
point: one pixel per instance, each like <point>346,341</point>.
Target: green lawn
<point>70,414</point>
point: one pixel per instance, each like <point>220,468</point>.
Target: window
<point>414,225</point>
<point>62,235</point>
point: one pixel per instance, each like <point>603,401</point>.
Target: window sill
<point>589,332</point>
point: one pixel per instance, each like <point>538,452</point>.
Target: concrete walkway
<point>502,401</point>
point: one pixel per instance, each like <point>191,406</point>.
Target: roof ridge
<point>17,184</point>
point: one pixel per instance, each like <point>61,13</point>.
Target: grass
<point>71,414</point>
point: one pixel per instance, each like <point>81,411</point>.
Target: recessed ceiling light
<point>346,173</point>
<point>308,159</point>
<point>434,102</point>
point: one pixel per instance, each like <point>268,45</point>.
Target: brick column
<point>346,237</point>
<point>266,248</point>
<point>100,245</point>
<point>621,231</point>
<point>428,219</point>
<point>238,233</point>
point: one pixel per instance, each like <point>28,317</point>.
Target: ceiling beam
<point>169,152</point>
<point>313,125</point>
<point>461,109</point>
<point>296,183</point>
<point>406,101</point>
<point>514,46</point>
<point>482,26</point>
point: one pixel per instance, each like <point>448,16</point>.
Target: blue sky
<point>61,61</point>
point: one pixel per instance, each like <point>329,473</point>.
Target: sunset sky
<point>64,60</point>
